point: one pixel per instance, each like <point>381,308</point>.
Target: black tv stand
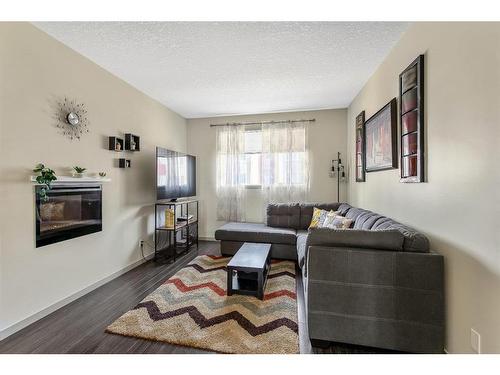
<point>178,239</point>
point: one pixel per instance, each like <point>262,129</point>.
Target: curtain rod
<point>263,122</point>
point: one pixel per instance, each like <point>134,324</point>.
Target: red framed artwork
<point>381,139</point>
<point>411,110</point>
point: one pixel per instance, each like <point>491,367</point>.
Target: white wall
<point>326,136</point>
<point>35,71</point>
<point>459,206</point>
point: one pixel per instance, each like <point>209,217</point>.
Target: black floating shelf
<point>132,142</point>
<point>114,142</point>
<point>124,163</point>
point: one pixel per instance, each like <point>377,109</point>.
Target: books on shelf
<point>185,218</point>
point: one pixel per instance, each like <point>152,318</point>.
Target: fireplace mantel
<point>68,180</point>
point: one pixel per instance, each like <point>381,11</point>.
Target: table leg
<point>260,283</point>
<point>229,281</point>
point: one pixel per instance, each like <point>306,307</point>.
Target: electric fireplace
<point>70,211</point>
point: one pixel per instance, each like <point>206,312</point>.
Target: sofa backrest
<point>283,215</point>
<point>294,215</point>
<point>367,220</point>
<point>299,215</point>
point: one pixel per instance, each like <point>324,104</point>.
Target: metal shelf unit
<point>180,238</point>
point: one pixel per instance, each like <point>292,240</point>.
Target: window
<point>252,174</point>
<point>262,156</point>
<point>280,168</point>
<point>272,157</point>
<point>288,169</point>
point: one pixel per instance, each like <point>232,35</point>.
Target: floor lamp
<point>340,170</point>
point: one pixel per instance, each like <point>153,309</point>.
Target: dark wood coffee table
<point>247,270</point>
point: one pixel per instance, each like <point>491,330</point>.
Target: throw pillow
<point>339,222</point>
<point>330,216</point>
<point>317,218</point>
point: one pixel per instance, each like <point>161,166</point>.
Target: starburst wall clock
<point>72,120</point>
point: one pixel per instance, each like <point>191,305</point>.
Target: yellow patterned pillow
<point>317,218</point>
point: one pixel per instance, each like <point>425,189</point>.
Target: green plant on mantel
<point>79,169</point>
<point>45,178</point>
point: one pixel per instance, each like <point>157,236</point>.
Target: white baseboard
<point>212,239</point>
<point>50,309</point>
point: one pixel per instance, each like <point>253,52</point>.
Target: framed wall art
<point>360,147</point>
<point>381,139</point>
<point>411,111</point>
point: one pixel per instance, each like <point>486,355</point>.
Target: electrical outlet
<point>475,340</point>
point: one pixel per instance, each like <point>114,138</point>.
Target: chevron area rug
<point>192,309</point>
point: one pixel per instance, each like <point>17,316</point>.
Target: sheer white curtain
<point>230,174</point>
<point>285,162</point>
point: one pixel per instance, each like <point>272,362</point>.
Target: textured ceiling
<point>202,69</point>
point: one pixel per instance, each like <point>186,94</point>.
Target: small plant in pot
<point>102,174</point>
<point>45,178</point>
<point>79,171</point>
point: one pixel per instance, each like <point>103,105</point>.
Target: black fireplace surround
<point>70,211</point>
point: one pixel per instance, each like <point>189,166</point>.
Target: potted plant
<point>102,174</point>
<point>45,178</point>
<point>79,171</point>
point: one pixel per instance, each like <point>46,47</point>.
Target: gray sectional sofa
<point>377,284</point>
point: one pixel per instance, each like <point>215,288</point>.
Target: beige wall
<point>458,208</point>
<point>35,71</point>
<point>326,137</point>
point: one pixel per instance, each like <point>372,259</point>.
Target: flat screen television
<point>175,174</point>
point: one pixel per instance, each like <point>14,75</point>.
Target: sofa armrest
<point>357,238</point>
<point>387,299</point>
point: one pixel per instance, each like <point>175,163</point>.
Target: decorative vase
<point>169,218</point>
<point>79,175</point>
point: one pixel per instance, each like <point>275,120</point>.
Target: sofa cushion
<point>283,215</point>
<point>380,221</point>
<point>413,240</point>
<point>306,212</point>
<point>366,220</point>
<point>255,232</point>
<point>344,208</point>
<point>354,212</point>
<point>391,239</point>
<point>301,246</point>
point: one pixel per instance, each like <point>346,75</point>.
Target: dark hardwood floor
<point>79,326</point>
